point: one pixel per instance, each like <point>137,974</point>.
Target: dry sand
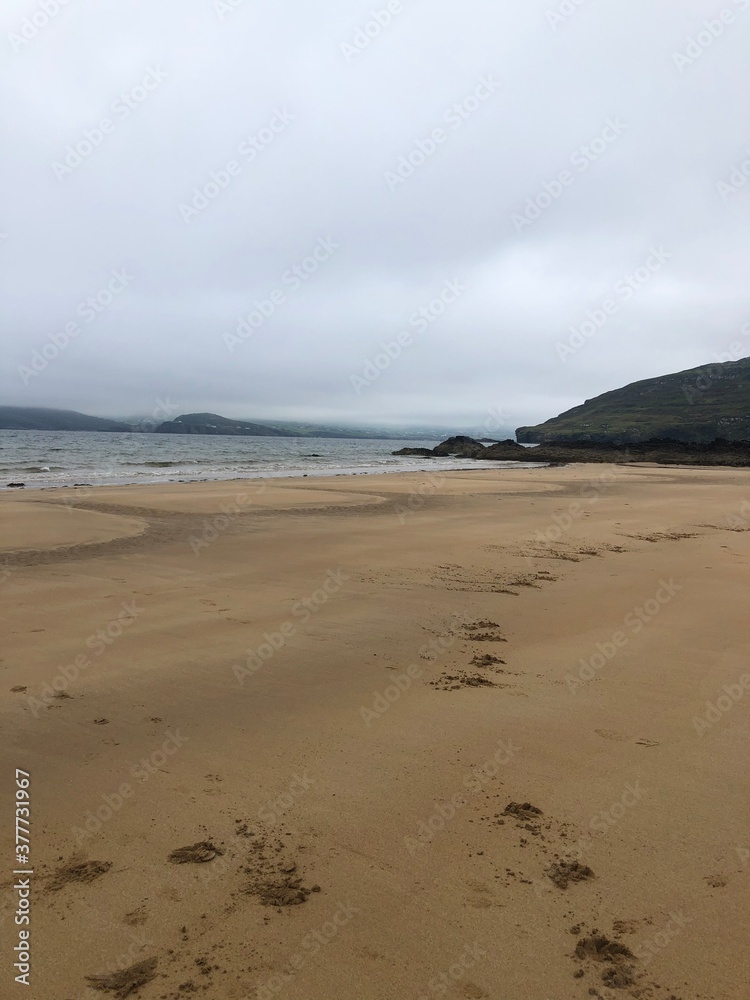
<point>471,768</point>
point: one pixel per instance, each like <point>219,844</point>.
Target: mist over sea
<point>67,458</point>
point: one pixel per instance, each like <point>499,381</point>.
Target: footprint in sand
<point>125,981</point>
<point>624,926</point>
<point>474,992</point>
<point>610,734</point>
<point>482,896</point>
<point>198,853</point>
<point>715,881</point>
<point>77,871</point>
<point>136,917</point>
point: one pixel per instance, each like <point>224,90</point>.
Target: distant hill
<point>212,423</point>
<point>365,433</point>
<point>698,405</point>
<point>32,418</point>
<point>45,419</point>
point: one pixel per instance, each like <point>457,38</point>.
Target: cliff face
<point>212,423</point>
<point>698,405</point>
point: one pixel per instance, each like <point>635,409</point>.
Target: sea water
<point>66,458</point>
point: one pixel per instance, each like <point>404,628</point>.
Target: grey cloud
<point>224,72</point>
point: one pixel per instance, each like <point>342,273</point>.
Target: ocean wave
<point>152,465</point>
<point>168,464</point>
<point>38,468</point>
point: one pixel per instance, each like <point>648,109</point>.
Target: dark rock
<point>460,446</point>
<point>504,451</point>
<point>18,486</point>
<point>416,452</point>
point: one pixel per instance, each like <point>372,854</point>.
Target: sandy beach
<point>473,734</point>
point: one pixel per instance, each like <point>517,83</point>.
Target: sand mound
<point>36,526</point>
<point>601,949</point>
<point>283,892</point>
<point>522,810</point>
<point>563,873</point>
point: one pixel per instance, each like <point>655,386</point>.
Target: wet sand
<point>473,734</point>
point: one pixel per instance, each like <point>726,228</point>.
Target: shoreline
<point>435,465</point>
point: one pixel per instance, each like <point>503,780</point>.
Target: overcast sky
<point>501,166</point>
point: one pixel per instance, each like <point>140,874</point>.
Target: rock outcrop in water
<point>416,452</point>
<point>657,451</point>
<point>460,446</point>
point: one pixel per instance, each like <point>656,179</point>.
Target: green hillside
<point>212,423</point>
<point>36,418</point>
<point>700,404</point>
